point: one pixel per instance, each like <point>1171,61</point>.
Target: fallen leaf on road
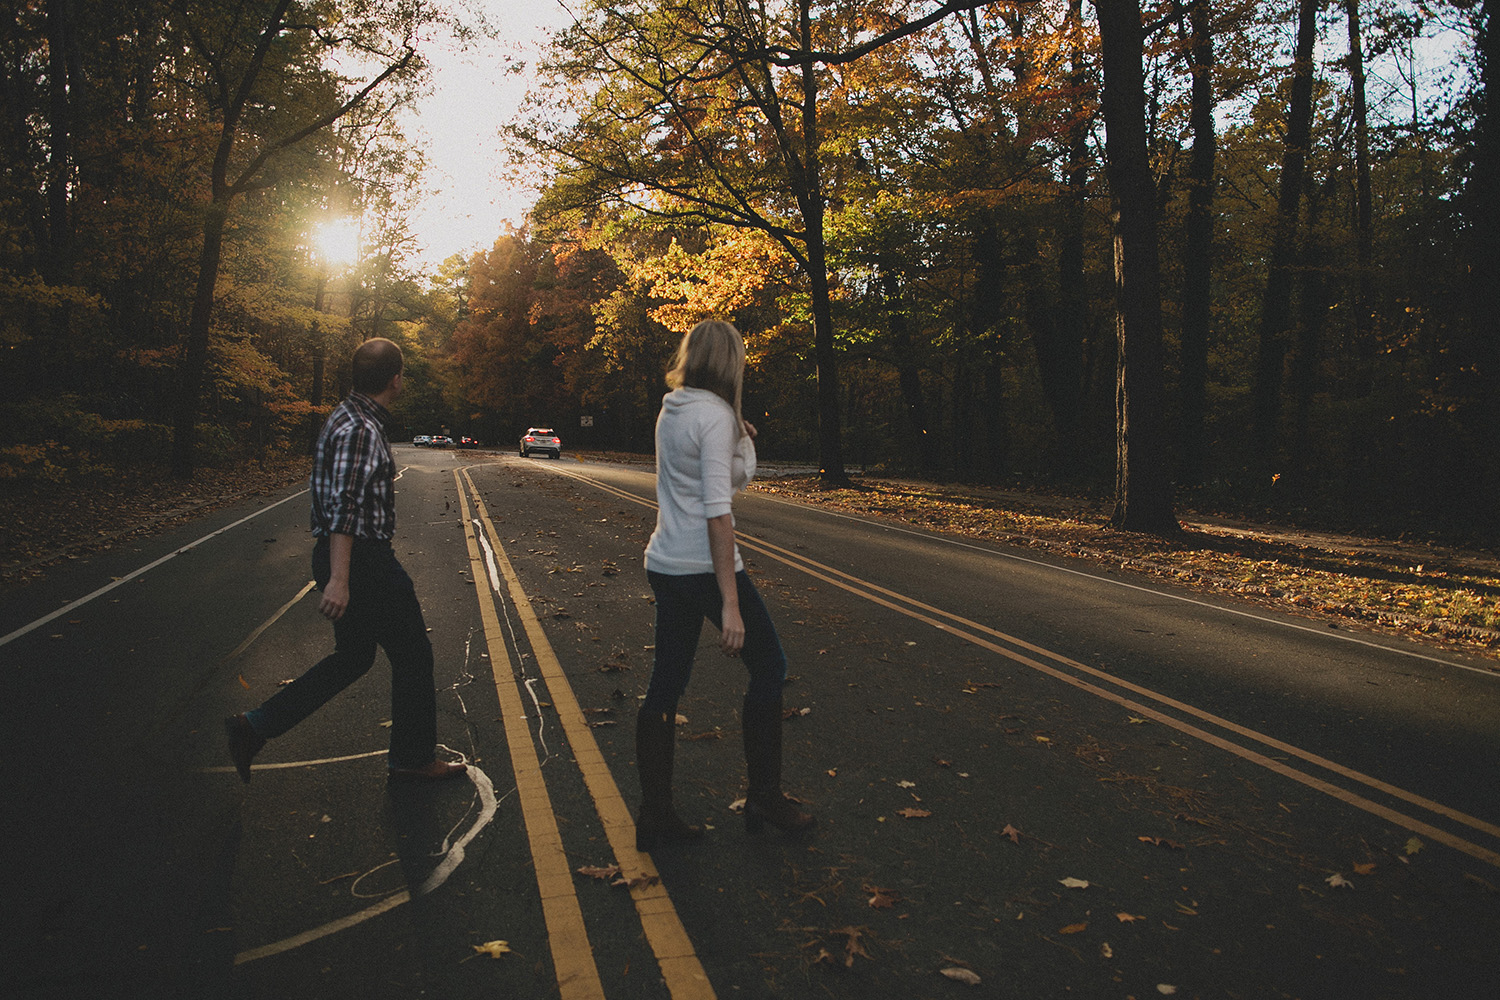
<point>1136,720</point>
<point>910,813</point>
<point>1413,845</point>
<point>1126,918</point>
<point>1364,869</point>
<point>1105,951</point>
<point>494,949</point>
<point>882,899</point>
<point>1161,842</point>
<point>852,947</point>
<point>682,720</point>
<point>906,784</point>
<point>1073,928</point>
<point>1338,881</point>
<point>962,975</point>
<point>631,883</point>
<point>1165,989</point>
<point>1012,833</point>
<point>1044,739</point>
<point>1074,883</point>
<point>594,871</point>
<point>610,667</point>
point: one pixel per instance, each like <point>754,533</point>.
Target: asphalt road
<point>1260,805</point>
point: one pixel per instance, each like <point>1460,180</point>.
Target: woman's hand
<point>749,428</point>
<point>732,632</point>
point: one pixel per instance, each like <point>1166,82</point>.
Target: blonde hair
<point>712,356</point>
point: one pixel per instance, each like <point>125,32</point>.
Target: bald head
<point>376,362</point>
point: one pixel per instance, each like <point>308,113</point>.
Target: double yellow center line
<point>572,955</point>
<point>1135,698</point>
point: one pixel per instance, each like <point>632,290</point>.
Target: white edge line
<point>144,569</point>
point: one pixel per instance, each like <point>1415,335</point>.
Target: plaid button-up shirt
<point>353,473</point>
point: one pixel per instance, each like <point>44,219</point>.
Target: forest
<point>1232,253</point>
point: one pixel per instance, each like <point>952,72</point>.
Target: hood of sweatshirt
<point>686,396</point>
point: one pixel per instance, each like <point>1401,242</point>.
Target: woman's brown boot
<point>765,802</point>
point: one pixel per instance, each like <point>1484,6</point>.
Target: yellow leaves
<point>494,949</point>
<point>1074,928</point>
<point>1074,883</point>
<point>1413,845</point>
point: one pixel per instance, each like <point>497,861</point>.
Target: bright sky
<point>458,127</point>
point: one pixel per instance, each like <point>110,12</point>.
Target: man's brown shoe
<point>244,744</point>
<point>435,771</point>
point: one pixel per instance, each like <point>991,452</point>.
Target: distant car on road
<point>422,440</point>
<point>441,441</point>
<point>540,439</point>
<point>468,442</point>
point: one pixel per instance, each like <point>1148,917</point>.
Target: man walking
<point>365,592</point>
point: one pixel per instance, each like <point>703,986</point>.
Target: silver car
<point>540,439</point>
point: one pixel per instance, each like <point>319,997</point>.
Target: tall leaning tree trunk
<point>1197,261</point>
<point>1143,477</point>
<point>1276,306</point>
<point>813,204</point>
<point>1364,253</point>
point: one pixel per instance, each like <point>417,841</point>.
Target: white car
<point>540,439</point>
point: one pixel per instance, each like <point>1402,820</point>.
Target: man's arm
<point>336,594</point>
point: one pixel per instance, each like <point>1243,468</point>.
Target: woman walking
<point>705,453</point>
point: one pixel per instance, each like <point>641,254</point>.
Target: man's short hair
<point>376,362</point>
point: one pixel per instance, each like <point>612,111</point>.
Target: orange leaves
<point>914,813</point>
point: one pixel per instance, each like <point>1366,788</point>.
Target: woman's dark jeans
<point>682,602</point>
<point>383,611</point>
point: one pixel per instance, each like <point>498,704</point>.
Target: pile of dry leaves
<point>45,522</point>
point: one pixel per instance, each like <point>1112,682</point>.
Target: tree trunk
<point>908,374</point>
<point>1482,208</point>
<point>813,204</point>
<point>1197,262</point>
<point>195,350</point>
<point>1363,333</point>
<point>58,257</point>
<point>1072,312</point>
<point>1276,308</point>
<point>1143,480</point>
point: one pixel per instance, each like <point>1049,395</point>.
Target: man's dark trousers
<point>383,611</point>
